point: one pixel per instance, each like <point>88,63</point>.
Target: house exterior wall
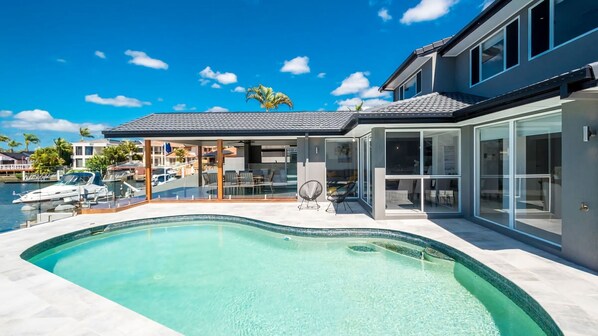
<point>580,184</point>
<point>564,58</point>
<point>315,166</point>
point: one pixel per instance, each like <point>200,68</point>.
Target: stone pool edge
<point>521,298</point>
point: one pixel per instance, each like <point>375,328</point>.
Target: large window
<point>519,175</point>
<point>556,22</point>
<point>341,164</point>
<point>422,171</point>
<point>411,87</point>
<point>496,54</point>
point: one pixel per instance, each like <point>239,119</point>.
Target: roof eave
<point>487,13</point>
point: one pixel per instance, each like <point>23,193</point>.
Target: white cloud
<point>100,54</point>
<point>222,78</point>
<point>5,113</point>
<point>296,66</point>
<point>43,121</point>
<point>60,60</point>
<point>217,109</point>
<point>142,59</point>
<point>204,82</point>
<point>239,89</point>
<point>427,10</point>
<point>345,105</point>
<point>160,99</point>
<point>183,107</point>
<point>383,14</point>
<point>355,83</point>
<point>486,3</point>
<point>216,86</point>
<point>321,75</point>
<point>118,101</point>
<point>374,92</point>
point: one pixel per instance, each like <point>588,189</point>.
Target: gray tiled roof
<point>199,123</point>
<point>444,103</point>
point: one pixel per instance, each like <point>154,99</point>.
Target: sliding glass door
<point>518,175</point>
<point>341,164</point>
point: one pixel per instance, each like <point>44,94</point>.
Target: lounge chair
<point>339,196</point>
<point>310,191</point>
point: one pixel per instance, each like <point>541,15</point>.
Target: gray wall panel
<point>580,184</point>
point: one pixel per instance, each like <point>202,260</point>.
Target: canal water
<point>11,215</point>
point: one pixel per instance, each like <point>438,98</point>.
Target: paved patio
<point>37,302</point>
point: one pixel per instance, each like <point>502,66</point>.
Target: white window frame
<point>512,173</point>
<point>416,82</point>
<point>365,165</point>
<point>551,45</point>
<point>504,65</point>
<point>421,176</point>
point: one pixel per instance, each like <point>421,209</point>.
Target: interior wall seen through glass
<point>494,174</point>
<point>441,152</point>
<point>341,164</point>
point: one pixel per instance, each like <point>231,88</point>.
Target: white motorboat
<point>161,179</point>
<point>72,187</point>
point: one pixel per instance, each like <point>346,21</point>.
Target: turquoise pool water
<point>218,278</point>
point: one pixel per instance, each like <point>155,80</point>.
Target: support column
<point>220,165</point>
<point>147,153</point>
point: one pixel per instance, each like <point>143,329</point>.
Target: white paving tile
<point>36,302</point>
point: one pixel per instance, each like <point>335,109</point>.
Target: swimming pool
<point>204,275</point>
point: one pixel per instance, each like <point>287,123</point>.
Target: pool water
<point>218,278</point>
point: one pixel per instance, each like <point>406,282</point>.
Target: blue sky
<point>66,64</point>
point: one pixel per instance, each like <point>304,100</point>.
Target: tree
<point>64,149</point>
<point>267,98</point>
<point>13,144</point>
<point>46,160</point>
<point>84,132</point>
<point>181,154</point>
<point>115,154</point>
<point>358,107</point>
<point>30,139</point>
<point>130,148</point>
<point>98,163</point>
<point>4,138</point>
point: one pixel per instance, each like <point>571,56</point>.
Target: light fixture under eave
<point>588,133</point>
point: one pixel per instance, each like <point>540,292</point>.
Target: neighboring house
<point>7,158</point>
<point>490,125</point>
<point>84,150</point>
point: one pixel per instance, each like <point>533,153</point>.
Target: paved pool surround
<point>304,223</point>
<point>512,291</point>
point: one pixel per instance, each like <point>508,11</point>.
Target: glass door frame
<point>512,174</point>
<point>357,151</point>
<point>364,167</point>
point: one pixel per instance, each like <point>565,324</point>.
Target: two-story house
<point>494,124</point>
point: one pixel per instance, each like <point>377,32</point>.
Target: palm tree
<point>267,98</point>
<point>4,138</point>
<point>30,139</point>
<point>64,149</point>
<point>13,144</point>
<point>85,133</point>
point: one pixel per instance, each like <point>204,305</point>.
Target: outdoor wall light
<point>588,133</point>
<point>316,149</point>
